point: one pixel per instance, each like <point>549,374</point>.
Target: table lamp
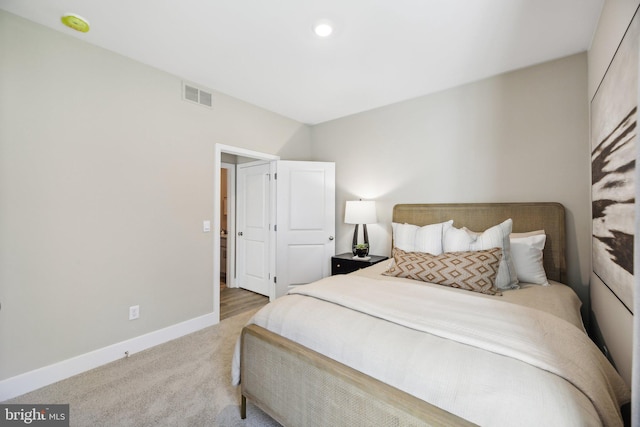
<point>360,212</point>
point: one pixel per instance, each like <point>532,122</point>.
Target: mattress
<point>522,358</point>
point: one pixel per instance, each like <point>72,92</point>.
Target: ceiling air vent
<point>195,94</point>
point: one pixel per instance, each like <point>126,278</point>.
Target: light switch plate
<point>206,226</point>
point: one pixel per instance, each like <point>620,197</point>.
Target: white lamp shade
<point>360,212</point>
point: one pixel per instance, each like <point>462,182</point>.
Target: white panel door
<point>252,227</point>
<point>305,211</point>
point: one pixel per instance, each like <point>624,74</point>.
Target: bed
<point>377,348</point>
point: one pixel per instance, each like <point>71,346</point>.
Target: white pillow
<point>458,240</point>
<point>494,237</point>
<point>428,238</point>
<point>527,258</point>
<point>404,236</point>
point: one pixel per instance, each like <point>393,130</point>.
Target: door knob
<point>239,233</point>
<point>330,237</point>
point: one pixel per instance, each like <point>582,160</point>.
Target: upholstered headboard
<point>480,216</point>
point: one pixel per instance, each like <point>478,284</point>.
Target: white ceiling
<point>382,51</point>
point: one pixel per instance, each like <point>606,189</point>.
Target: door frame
<point>236,151</point>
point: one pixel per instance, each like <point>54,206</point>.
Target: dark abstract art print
<point>614,117</point>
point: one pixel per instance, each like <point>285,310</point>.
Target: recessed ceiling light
<point>323,28</point>
<point>76,22</point>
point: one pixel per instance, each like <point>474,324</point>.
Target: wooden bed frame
<point>297,386</point>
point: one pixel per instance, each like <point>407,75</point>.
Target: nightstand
<point>344,263</point>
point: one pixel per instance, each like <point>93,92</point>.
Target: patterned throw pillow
<point>461,239</point>
<point>473,271</point>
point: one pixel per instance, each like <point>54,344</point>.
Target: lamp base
<point>361,252</point>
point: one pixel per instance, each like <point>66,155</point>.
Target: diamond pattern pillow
<point>460,239</point>
<point>473,270</point>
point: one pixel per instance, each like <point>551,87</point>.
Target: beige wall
<point>105,178</point>
<point>614,19</point>
<point>614,320</point>
<point>521,136</point>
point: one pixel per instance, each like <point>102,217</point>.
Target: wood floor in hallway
<point>236,300</point>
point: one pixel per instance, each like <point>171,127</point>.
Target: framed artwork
<point>614,135</point>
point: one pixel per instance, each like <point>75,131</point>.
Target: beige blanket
<point>488,361</point>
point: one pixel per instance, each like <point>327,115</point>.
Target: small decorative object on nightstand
<point>346,263</point>
<point>362,250</point>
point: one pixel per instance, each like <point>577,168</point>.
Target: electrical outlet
<point>134,312</point>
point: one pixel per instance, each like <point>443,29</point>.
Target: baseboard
<point>33,380</point>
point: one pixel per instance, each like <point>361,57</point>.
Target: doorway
<point>230,156</point>
<point>304,193</point>
<point>233,299</point>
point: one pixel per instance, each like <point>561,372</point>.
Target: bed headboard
<point>480,216</point>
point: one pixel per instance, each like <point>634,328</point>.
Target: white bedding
<point>491,360</point>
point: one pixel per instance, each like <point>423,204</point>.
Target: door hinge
<point>275,227</point>
<point>275,175</point>
<point>275,279</point>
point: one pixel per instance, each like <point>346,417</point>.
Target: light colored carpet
<point>185,382</point>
